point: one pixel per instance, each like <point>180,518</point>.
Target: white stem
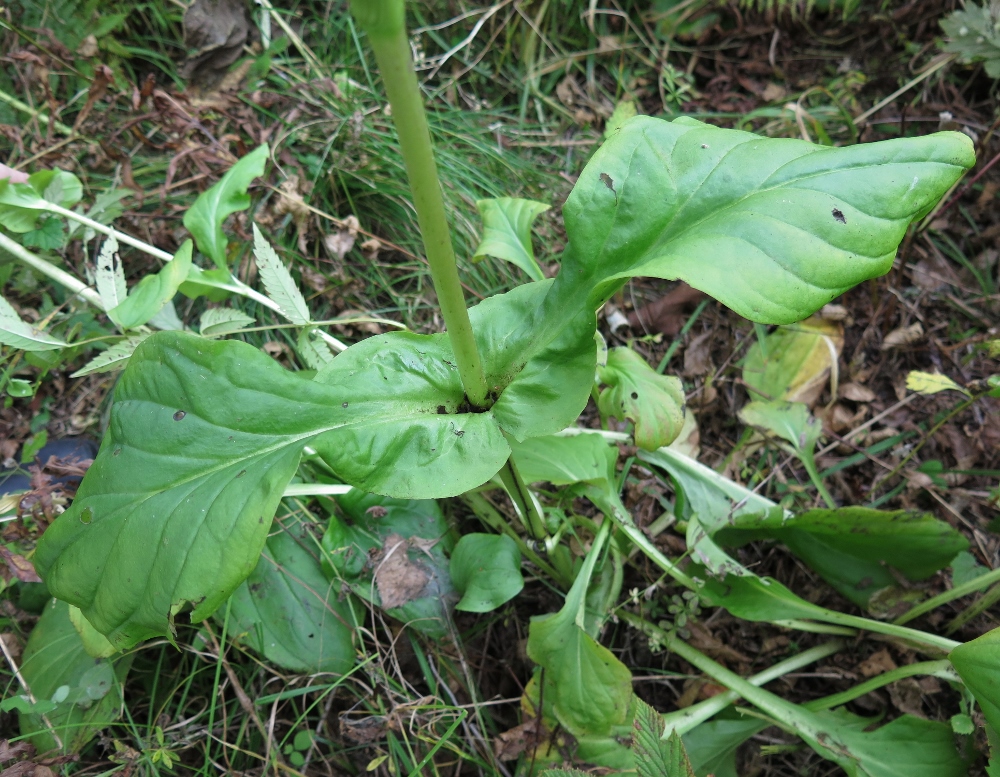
<point>62,277</point>
<point>106,230</point>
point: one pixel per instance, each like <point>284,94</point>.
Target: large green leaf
<point>707,205</point>
<point>653,402</point>
<point>290,612</point>
<point>204,219</point>
<point>203,438</point>
<point>850,547</point>
<point>154,291</point>
<point>978,664</point>
<point>563,461</point>
<point>712,745</point>
<point>486,570</point>
<point>386,548</point>
<point>507,232</point>
<point>56,666</point>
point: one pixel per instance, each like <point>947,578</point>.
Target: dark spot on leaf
<point>242,473</point>
<point>863,583</point>
<point>838,215</point>
<point>116,452</point>
<point>635,395</point>
<point>608,181</point>
<point>459,433</point>
<point>344,405</point>
<point>255,587</point>
<point>311,636</point>
<point>442,410</point>
<point>179,415</point>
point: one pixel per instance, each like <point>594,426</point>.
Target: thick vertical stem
<point>383,20</point>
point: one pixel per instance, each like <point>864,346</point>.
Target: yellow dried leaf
<point>931,383</point>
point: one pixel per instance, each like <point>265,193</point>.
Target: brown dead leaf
<point>20,769</point>
<point>215,32</point>
<point>698,356</point>
<point>877,663</point>
<point>907,696</point>
<point>363,731</point>
<point>903,336</point>
<point>371,247</point>
<point>19,566</point>
<point>708,643</point>
<point>932,273</point>
<point>856,392</point>
<point>833,312</point>
<point>398,579</point>
<point>341,242</point>
<point>292,202</point>
<point>8,751</point>
<point>773,92</point>
<point>667,314</point>
<point>508,745</point>
<point>98,88</point>
<point>14,648</point>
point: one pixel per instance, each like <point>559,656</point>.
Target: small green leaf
<point>624,111</point>
<point>656,756</point>
<point>20,388</point>
<point>790,421</point>
<point>54,658</point>
<point>507,232</point>
<point>486,570</point>
<point>48,236</point>
<point>563,461</point>
<point>278,282</point>
<point>654,402</point>
<point>962,724</point>
<point>114,358</point>
<point>216,322</point>
<point>19,334</point>
<point>931,383</point>
<point>21,203</point>
<point>978,664</point>
<point>205,218</point>
<point>149,296</point>
<point>314,351</point>
<point>289,612</point>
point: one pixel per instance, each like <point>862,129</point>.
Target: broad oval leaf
<point>55,658</point>
<point>203,437</point>
<point>486,570</point>
<point>793,362</point>
<point>507,232</point>
<point>289,611</point>
<point>204,219</point>
<point>800,223</point>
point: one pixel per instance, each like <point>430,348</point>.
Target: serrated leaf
<point>278,282</point>
<point>654,755</point>
<point>216,322</point>
<point>205,218</point>
<point>20,334</point>
<point>507,232</point>
<point>931,383</point>
<point>653,402</point>
<point>110,276</point>
<point>47,237</point>
<point>114,358</point>
<point>314,351</point>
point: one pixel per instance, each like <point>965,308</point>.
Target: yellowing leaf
<point>931,383</point>
<point>794,362</point>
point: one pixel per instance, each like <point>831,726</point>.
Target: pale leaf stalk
<point>968,587</point>
<point>384,22</point>
<point>61,277</point>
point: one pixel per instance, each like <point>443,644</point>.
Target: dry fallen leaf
<point>877,663</point>
<point>508,745</point>
<point>904,335</point>
<point>907,696</point>
<point>698,356</point>
<point>398,579</point>
<point>341,242</point>
<point>856,392</point>
<point>216,31</point>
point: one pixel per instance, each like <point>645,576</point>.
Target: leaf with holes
<point>653,402</point>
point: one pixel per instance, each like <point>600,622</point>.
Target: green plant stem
<point>975,609</point>
<point>13,102</point>
<point>968,587</point>
<point>806,457</point>
<point>383,21</point>
<point>521,496</point>
<point>941,668</point>
<point>489,515</point>
<point>61,277</point>
<point>684,720</point>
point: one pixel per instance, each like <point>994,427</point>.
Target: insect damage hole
<point>838,215</point>
<point>179,415</point>
<point>608,181</point>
